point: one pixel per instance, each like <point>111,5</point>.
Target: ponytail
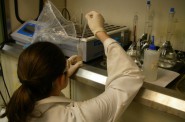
<point>20,105</point>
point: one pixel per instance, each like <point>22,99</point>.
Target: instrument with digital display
<point>24,34</point>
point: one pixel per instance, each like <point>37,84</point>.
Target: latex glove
<point>73,63</point>
<point>95,21</point>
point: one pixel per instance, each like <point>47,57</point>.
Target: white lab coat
<point>123,82</point>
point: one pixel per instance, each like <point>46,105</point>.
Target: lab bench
<point>89,81</point>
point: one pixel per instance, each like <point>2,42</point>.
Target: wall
<point>121,12</point>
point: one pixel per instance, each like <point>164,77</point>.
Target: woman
<point>42,72</point>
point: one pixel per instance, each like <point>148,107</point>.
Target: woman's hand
<point>95,21</point>
<point>73,63</point>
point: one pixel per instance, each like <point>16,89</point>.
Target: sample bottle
<point>150,64</point>
<point>167,54</point>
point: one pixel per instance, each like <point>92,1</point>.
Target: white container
<point>150,66</point>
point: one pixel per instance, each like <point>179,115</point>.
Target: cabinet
<point>9,66</point>
<point>150,104</point>
<point>136,112</point>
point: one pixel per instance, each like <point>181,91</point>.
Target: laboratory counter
<point>165,99</point>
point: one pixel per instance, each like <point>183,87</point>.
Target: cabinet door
<point>81,91</point>
<point>9,67</point>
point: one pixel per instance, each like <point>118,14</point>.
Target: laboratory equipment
<point>53,27</point>
<point>167,54</point>
<point>133,47</point>
<point>180,52</point>
<point>145,38</point>
<point>50,26</point>
<point>24,34</point>
<point>89,46</point>
<point>181,57</point>
<point>150,64</point>
<point>133,50</point>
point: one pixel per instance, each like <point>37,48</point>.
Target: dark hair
<point>38,66</point>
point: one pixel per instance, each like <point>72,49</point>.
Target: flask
<point>150,64</point>
<point>145,38</point>
<point>167,54</point>
<point>133,50</point>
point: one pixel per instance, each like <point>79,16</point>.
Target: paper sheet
<point>164,77</point>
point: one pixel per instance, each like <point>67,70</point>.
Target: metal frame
<point>6,25</point>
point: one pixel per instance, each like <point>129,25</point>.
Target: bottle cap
<point>148,2</point>
<point>152,45</point>
<point>172,10</point>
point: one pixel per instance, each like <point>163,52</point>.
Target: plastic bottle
<point>150,65</point>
